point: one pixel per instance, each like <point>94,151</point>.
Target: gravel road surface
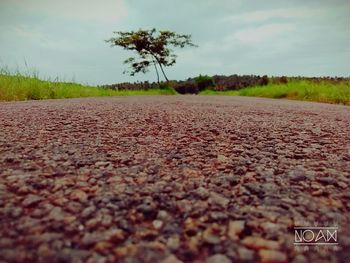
<point>172,179</point>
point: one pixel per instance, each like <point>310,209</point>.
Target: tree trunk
<point>160,65</point>
<point>155,66</point>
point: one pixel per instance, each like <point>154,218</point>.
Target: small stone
<point>91,238</point>
<point>171,259</point>
<point>173,243</point>
<point>107,221</point>
<point>6,242</point>
<point>342,185</point>
<point>218,199</point>
<point>212,239</point>
<point>254,188</point>
<point>270,227</point>
<point>87,212</point>
<point>79,195</point>
<point>222,158</point>
<point>44,250</point>
<point>11,255</point>
<point>31,200</point>
<point>102,164</point>
<point>297,175</point>
<point>60,201</point>
<point>260,243</point>
<point>56,214</point>
<point>202,193</point>
<point>300,259</point>
<point>163,215</point>
<point>235,228</point>
<point>245,254</point>
<point>102,246</point>
<point>93,222</point>
<point>157,224</point>
<point>218,216</point>
<point>73,207</point>
<point>146,210</point>
<point>272,256</point>
<point>190,172</point>
<point>327,180</point>
<point>16,211</point>
<point>115,235</point>
<point>218,258</point>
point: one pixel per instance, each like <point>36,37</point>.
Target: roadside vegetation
<point>20,87</point>
<point>17,86</point>
<point>319,90</point>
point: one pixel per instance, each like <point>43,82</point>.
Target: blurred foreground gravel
<point>172,179</point>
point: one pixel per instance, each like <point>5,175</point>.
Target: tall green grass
<point>20,87</point>
<point>322,91</point>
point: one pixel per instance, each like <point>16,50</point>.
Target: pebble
<point>272,256</point>
<point>31,200</point>
<point>212,239</point>
<point>56,214</point>
<point>235,228</point>
<point>222,158</point>
<point>218,199</point>
<point>87,212</point>
<point>245,254</point>
<point>297,175</point>
<point>327,180</point>
<point>218,258</point>
<point>255,242</point>
<point>157,224</point>
<point>173,243</point>
<point>79,195</point>
<point>102,164</point>
<point>202,193</point>
<point>171,259</point>
<point>146,210</point>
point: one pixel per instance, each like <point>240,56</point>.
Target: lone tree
<point>153,48</point>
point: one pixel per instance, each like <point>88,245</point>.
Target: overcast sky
<point>65,38</point>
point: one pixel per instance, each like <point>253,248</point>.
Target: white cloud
<point>107,11</point>
<point>255,35</point>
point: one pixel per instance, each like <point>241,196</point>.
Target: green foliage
<point>152,47</point>
<point>296,89</point>
<point>204,82</point>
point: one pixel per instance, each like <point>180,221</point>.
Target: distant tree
<point>153,48</point>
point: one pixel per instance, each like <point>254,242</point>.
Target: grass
<point>15,87</point>
<point>29,87</point>
<point>323,91</point>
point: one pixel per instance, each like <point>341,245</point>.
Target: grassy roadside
<point>19,87</point>
<point>324,91</point>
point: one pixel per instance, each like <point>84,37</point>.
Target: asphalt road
<point>171,179</point>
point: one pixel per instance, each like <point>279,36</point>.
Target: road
<point>172,179</point>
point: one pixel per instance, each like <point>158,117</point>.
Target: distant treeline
<point>219,83</point>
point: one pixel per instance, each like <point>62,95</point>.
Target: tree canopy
<point>152,47</point>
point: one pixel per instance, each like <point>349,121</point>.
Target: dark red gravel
<point>171,179</point>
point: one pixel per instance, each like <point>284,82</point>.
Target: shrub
<point>184,87</point>
<point>283,80</point>
<point>131,86</point>
<point>235,82</point>
<point>204,82</point>
<point>264,80</point>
